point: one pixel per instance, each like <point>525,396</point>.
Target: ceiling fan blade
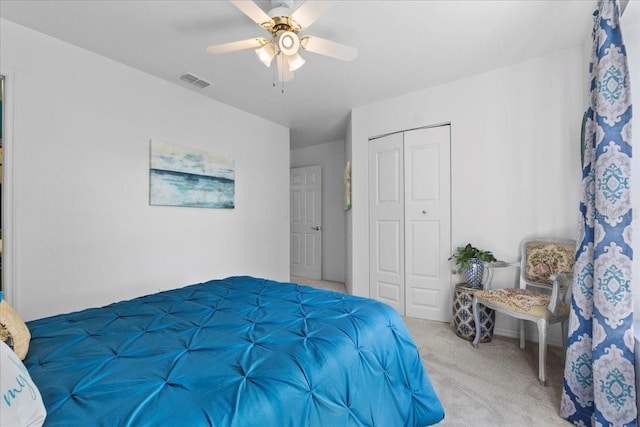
<point>310,11</point>
<point>252,10</point>
<point>328,48</point>
<point>239,45</point>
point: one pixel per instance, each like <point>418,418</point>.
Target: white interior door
<point>386,221</point>
<point>306,222</point>
<point>427,217</point>
<point>410,222</point>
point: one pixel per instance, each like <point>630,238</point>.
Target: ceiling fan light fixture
<point>266,54</point>
<point>295,62</point>
<point>284,73</point>
<point>288,43</point>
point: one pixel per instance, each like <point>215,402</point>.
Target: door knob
<point>316,228</point>
<point>424,212</point>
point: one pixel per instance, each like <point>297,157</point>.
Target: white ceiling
<point>403,46</point>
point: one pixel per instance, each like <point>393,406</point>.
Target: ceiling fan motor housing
<point>282,23</point>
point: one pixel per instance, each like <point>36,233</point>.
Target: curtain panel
<point>599,379</point>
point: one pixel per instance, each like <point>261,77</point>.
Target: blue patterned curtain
<point>599,378</point>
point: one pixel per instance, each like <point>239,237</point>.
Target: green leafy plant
<point>464,254</point>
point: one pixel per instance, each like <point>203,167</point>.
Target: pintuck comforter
<point>240,351</point>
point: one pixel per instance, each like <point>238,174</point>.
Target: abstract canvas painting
<point>181,176</point>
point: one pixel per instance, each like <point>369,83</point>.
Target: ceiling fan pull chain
<point>281,66</point>
<point>275,72</point>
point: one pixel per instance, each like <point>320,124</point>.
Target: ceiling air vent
<point>194,80</point>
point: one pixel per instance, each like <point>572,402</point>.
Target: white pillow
<point>18,330</point>
<point>20,403</point>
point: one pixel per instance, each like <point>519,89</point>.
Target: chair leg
<point>521,326</point>
<point>476,320</point>
<point>542,352</point>
<point>565,336</point>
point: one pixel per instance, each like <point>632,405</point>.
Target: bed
<point>240,351</point>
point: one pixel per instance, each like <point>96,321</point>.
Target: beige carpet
<point>494,385</point>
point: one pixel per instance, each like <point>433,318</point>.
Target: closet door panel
<point>386,221</point>
<point>427,223</point>
<point>424,254</point>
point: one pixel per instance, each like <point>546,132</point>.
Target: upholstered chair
<point>543,294</point>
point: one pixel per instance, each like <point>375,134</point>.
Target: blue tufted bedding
<point>234,352</point>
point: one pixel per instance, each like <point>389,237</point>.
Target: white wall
<point>515,137</point>
<point>330,157</point>
<point>83,231</point>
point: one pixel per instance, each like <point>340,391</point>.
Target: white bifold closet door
<point>410,221</point>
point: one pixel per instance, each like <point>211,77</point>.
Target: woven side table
<point>463,322</point>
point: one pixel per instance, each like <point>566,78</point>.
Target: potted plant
<point>470,261</point>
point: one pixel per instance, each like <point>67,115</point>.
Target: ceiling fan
<point>284,25</point>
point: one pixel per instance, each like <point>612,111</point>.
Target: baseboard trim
<point>531,336</point>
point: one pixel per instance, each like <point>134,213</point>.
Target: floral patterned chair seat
<point>546,266</point>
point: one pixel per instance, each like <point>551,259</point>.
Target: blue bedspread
<point>234,352</point>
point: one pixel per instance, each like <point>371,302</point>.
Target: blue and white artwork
<point>181,176</point>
